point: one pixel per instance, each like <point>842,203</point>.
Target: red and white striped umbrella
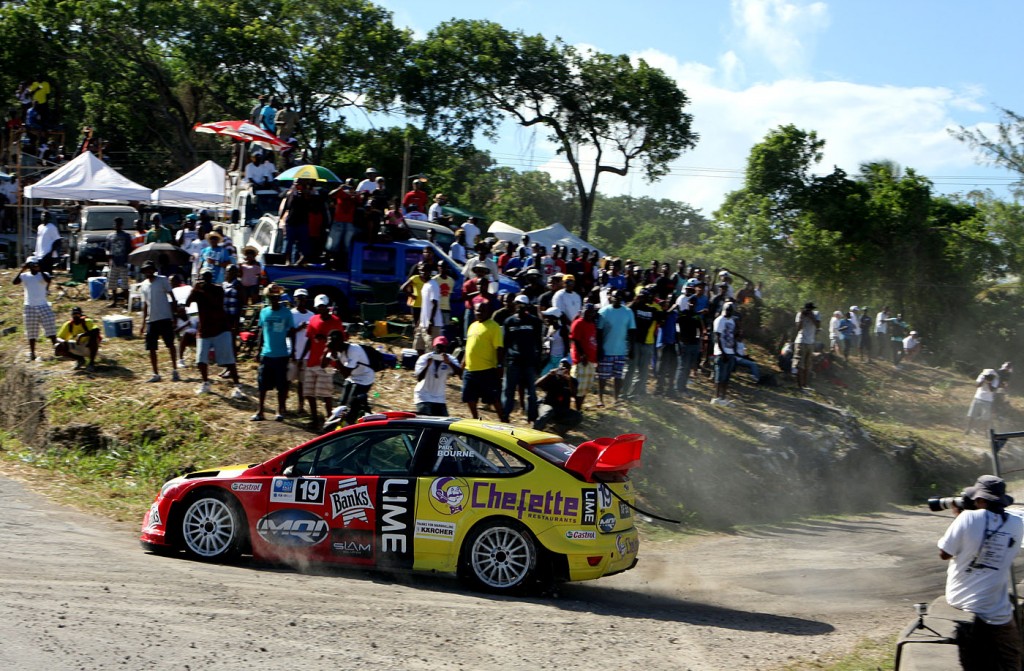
<point>244,131</point>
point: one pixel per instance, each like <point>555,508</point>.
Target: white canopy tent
<point>201,188</point>
<point>87,178</point>
<point>556,234</point>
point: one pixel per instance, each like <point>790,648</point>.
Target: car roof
<point>475,427</point>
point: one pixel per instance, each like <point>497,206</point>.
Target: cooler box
<point>117,326</point>
<point>409,357</point>
<point>390,360</point>
<point>97,288</point>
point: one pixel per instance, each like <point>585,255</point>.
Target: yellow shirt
<point>72,331</point>
<point>482,342</point>
<point>417,291</point>
<point>40,91</point>
<point>652,333</point>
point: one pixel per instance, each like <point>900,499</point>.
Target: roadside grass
<point>868,655</point>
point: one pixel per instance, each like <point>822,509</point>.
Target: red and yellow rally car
<point>498,505</point>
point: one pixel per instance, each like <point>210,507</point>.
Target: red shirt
<point>345,207</point>
<point>417,198</point>
<point>470,286</point>
<point>317,330</point>
<point>583,335</point>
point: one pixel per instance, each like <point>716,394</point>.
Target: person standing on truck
<point>417,198</point>
<point>343,230</point>
<point>296,207</point>
<point>980,545</point>
<point>318,381</point>
<point>369,182</point>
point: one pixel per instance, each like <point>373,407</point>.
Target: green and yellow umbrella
<point>314,172</point>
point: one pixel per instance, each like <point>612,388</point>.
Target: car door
<point>349,498</point>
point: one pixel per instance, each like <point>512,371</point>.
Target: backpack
<point>375,357</point>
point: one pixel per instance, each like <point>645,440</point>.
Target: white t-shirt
<point>833,327</point>
<point>457,252</point>
<point>368,185</point>
<point>985,543</point>
<point>435,212</point>
<point>35,288</point>
<point>569,302</point>
<point>985,391</point>
<point>472,230</point>
<point>257,173</point>
<point>430,292</point>
<point>855,320</point>
<point>154,295</point>
<point>806,329</point>
<point>881,325</point>
<point>431,389</point>
<point>301,319</point>
<point>46,235</point>
<point>727,328</point>
<point>910,343</point>
<point>355,359</point>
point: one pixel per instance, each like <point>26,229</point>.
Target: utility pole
<point>406,163</point>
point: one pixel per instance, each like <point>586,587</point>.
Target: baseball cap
<point>565,361</point>
<point>300,292</point>
<point>692,282</point>
<point>854,308</point>
<point>440,340</point>
<point>273,290</point>
<point>522,299</point>
<point>552,312</point>
<point>76,310</point>
<point>33,259</point>
<point>321,299</point>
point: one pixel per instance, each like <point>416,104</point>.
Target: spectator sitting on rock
<point>745,362</point>
<point>911,346</point>
<point>79,339</point>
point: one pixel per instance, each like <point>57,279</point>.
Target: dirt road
<point>77,592</point>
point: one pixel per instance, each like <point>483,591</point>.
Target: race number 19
<point>310,491</point>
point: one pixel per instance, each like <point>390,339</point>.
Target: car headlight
<point>169,485</point>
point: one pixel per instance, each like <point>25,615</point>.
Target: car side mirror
<point>289,471</point>
<point>236,216</point>
<point>74,227</point>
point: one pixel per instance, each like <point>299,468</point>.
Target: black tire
<point>500,556</point>
<point>212,526</point>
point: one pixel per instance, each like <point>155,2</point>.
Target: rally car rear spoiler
<point>607,455</point>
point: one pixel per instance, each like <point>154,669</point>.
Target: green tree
<point>1005,150</point>
<point>604,113</point>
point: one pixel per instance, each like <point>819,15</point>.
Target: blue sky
<point>876,80</point>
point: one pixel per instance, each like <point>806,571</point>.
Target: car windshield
<point>104,221</point>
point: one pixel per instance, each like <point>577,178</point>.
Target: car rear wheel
<point>500,556</point>
<point>212,527</point>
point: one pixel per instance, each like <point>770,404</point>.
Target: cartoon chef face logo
<point>448,494</point>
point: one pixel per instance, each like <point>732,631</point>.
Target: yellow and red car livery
<point>500,506</point>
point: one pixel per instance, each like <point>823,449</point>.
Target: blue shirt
<point>212,258</point>
<point>267,115</point>
<point>614,325</point>
<point>667,332</point>
<point>275,325</point>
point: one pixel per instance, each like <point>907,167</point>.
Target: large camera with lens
<point>937,503</point>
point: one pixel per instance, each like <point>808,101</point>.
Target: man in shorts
<point>79,339</point>
<point>214,333</point>
<point>276,325</point>
<point>485,354</point>
<point>37,311</point>
<point>615,324</point>
<point>157,318</point>
<point>583,339</point>
<point>317,380</point>
<point>431,320</point>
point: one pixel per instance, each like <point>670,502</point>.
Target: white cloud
<point>859,123</point>
<point>780,31</point>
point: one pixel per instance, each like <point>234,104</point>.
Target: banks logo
<point>292,528</point>
<point>246,486</point>
<point>447,495</point>
<point>351,502</point>
<point>575,535</point>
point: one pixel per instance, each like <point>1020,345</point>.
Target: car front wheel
<point>500,556</point>
<point>212,527</point>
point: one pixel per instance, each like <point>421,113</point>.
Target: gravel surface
<point>79,593</point>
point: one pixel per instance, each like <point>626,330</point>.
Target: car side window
<point>460,454</point>
<point>380,452</point>
<point>378,260</point>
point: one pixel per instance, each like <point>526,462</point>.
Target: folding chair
<point>72,288</point>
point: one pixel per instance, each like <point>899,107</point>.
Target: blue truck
<point>375,275</point>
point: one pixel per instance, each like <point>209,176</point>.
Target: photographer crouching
<point>982,542</point>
